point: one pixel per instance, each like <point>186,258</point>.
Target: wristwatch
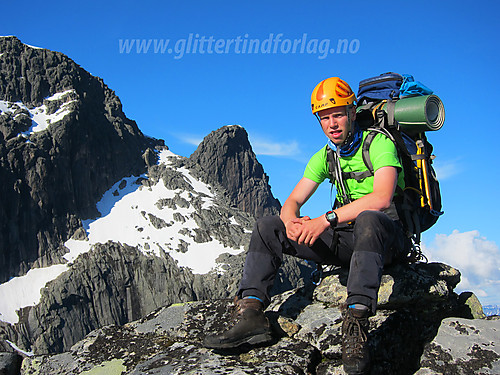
<point>332,218</point>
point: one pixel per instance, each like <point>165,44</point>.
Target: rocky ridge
<point>307,324</point>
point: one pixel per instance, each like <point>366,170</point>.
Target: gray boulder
<point>10,363</point>
<point>402,286</point>
<point>463,346</point>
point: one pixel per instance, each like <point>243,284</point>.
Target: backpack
<point>388,104</point>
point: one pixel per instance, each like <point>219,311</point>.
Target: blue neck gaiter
<point>351,144</point>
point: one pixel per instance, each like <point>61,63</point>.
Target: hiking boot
<point>251,327</point>
<point>355,352</point>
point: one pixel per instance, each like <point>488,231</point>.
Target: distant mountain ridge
<point>491,310</point>
<point>119,225</point>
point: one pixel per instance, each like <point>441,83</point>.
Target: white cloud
<point>477,259</point>
<point>191,139</point>
<point>446,169</point>
<point>267,147</point>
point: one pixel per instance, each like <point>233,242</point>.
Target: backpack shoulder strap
<point>393,134</point>
<point>336,177</point>
<point>366,150</point>
<point>391,107</point>
<point>330,159</point>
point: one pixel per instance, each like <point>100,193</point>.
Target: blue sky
<point>180,94</point>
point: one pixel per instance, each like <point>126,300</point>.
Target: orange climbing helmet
<point>331,92</point>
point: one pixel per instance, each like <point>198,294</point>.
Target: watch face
<point>331,216</point>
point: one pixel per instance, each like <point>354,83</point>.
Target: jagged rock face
<point>228,160</point>
<point>53,178</point>
<point>116,283</point>
<point>307,333</point>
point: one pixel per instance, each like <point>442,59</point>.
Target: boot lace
<point>355,336</point>
<point>236,309</point>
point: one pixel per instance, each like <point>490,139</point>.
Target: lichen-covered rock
<point>169,342</point>
<point>463,346</point>
<point>307,340</point>
<point>321,327</point>
<point>471,307</point>
<point>401,286</point>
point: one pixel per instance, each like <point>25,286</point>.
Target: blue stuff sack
<point>383,87</point>
<point>410,87</point>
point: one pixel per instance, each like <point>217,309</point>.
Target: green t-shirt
<point>383,153</point>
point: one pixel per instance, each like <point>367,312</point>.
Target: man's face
<point>334,122</point>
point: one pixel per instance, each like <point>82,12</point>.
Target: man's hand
<point>294,227</point>
<point>290,212</point>
<point>306,231</point>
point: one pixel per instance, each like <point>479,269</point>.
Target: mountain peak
<point>228,160</point>
<point>64,140</point>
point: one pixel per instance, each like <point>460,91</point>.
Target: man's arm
<point>384,185</point>
<point>290,211</point>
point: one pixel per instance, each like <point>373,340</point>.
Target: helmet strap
<point>317,117</point>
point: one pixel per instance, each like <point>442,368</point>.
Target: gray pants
<point>373,241</point>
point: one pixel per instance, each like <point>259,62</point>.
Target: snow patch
<point>27,45</point>
<point>75,249</point>
<point>133,214</point>
<point>39,116</point>
<point>220,268</point>
<point>16,348</point>
<point>25,290</point>
<point>198,186</point>
<point>41,119</point>
<point>5,107</point>
<point>165,157</point>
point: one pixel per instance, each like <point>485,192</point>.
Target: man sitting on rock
<point>362,232</point>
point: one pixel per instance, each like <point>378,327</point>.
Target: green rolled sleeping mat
<point>417,114</point>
